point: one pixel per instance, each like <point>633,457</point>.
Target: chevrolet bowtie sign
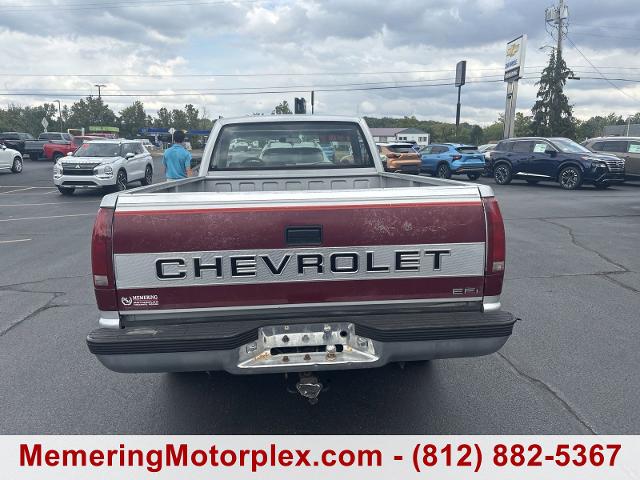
<point>514,62</point>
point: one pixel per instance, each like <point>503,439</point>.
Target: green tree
<point>91,111</point>
<point>282,109</point>
<point>523,125</point>
<point>179,119</point>
<point>552,113</point>
<point>164,119</point>
<point>475,135</point>
<point>191,113</point>
<point>132,119</point>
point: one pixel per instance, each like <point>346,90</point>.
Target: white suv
<point>111,164</point>
<point>10,159</point>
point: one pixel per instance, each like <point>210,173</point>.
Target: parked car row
<point>27,145</point>
<point>602,161</point>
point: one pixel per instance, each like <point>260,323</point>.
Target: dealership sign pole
<point>513,70</point>
<point>461,73</point>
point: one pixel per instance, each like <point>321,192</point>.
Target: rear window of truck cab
<point>290,145</point>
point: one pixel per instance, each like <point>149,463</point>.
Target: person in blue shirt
<point>177,159</point>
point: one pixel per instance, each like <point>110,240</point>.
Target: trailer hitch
<point>309,387</point>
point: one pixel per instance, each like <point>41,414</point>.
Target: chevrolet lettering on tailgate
<point>139,270</point>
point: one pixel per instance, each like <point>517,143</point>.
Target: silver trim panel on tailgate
<point>232,267</point>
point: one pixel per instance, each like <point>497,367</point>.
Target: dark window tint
<point>10,136</point>
<point>504,146</point>
<point>614,146</point>
<point>98,150</point>
<point>523,147</point>
<point>401,149</point>
<point>467,149</point>
<point>128,148</point>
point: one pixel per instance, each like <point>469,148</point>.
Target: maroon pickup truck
<point>296,263</point>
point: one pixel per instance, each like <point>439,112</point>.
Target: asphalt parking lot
<point>571,366</point>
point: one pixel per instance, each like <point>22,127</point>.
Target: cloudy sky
<point>173,52</point>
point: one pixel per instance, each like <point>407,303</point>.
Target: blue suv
<point>561,160</point>
<point>445,159</point>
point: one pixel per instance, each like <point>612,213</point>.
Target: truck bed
<point>264,182</point>
<point>237,190</point>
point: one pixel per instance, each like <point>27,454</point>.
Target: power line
<point>22,9</point>
<point>305,87</point>
<point>631,80</point>
<point>617,27</point>
<point>262,92</point>
<point>599,72</point>
<point>606,36</point>
<point>235,75</point>
<point>238,75</point>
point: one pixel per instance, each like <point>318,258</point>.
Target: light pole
<point>99,85</point>
<point>59,114</point>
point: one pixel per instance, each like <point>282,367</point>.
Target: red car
<point>55,150</point>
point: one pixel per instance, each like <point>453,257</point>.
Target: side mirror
<point>129,155</point>
<point>3,146</point>
<point>551,152</point>
<point>69,154</point>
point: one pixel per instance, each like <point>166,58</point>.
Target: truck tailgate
<point>250,250</point>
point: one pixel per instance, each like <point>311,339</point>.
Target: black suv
<point>561,160</point>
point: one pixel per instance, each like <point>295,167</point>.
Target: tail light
<point>457,157</point>
<point>102,260</point>
<point>496,248</point>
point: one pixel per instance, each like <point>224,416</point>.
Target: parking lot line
<point>49,203</point>
<point>22,186</point>
<point>15,241</point>
<point>44,218</point>
<point>17,190</point>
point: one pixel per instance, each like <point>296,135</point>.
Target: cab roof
<point>288,118</point>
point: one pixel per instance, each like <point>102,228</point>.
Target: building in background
<point>632,130</point>
<point>412,135</point>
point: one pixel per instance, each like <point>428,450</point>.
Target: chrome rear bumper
<point>248,347</point>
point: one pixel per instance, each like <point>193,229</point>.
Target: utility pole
<point>557,18</point>
<point>560,13</point>
<point>99,85</point>
<point>59,114</point>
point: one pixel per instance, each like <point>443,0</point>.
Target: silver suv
<point>627,148</point>
<point>111,164</point>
